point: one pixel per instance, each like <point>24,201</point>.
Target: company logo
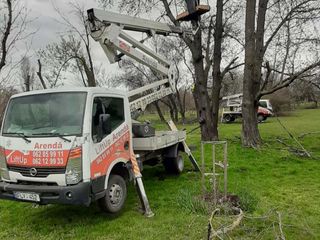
<point>33,172</point>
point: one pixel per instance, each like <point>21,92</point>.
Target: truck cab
<point>75,146</point>
<point>58,146</point>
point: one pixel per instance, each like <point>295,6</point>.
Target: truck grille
<point>36,172</point>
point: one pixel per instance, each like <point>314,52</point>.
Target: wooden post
<point>225,166</point>
<point>214,173</point>
<point>203,169</point>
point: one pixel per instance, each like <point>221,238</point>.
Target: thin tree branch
<point>286,82</point>
<point>39,73</point>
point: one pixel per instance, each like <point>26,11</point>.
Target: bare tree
<point>174,50</point>
<point>13,29</point>
<point>39,74</point>
<point>81,33</point>
<point>5,94</point>
<point>307,90</point>
<point>71,54</point>
<point>134,76</point>
<point>5,32</point>
<point>27,75</point>
<point>67,55</point>
<point>267,22</point>
<point>205,55</point>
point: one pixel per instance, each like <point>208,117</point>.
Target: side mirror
<point>104,125</point>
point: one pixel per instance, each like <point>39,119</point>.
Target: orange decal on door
<point>116,150</point>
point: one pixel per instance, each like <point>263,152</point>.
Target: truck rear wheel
<point>116,194</point>
<point>174,165</point>
<point>228,118</point>
<point>261,118</point>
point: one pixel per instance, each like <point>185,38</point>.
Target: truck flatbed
<point>162,139</point>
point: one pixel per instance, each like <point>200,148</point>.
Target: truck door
<point>109,136</point>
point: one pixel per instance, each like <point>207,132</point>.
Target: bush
<point>5,94</point>
<point>281,101</point>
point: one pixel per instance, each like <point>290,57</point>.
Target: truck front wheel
<point>174,165</point>
<point>116,194</point>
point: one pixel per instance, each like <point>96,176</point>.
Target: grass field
<point>267,180</point>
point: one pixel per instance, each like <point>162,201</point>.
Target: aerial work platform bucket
<point>193,11</point>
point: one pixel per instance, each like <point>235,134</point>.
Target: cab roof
<point>90,90</point>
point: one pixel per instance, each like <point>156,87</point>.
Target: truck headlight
<point>74,166</point>
<point>4,173</point>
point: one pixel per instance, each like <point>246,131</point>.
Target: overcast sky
<point>49,26</point>
<point>47,21</point>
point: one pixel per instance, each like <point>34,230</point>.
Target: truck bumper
<point>77,194</point>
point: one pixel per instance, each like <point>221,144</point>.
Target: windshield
<point>46,114</point>
<point>263,104</point>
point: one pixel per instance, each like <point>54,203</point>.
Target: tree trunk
<point>171,112</point>
<point>216,72</point>
<point>89,73</point>
<point>39,73</point>
<point>250,132</point>
<point>181,104</point>
<point>201,97</point>
<point>159,111</point>
<point>27,83</point>
<point>175,111</point>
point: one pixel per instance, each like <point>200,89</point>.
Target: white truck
<point>232,108</point>
<point>79,145</point>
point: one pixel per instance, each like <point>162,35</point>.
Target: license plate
<point>27,196</point>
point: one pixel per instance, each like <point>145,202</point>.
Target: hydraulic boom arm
<point>109,29</point>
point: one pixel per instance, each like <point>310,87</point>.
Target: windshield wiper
<point>54,135</point>
<point>20,134</point>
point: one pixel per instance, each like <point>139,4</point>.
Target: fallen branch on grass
<point>296,140</point>
<point>294,150</point>
<point>310,133</point>
<point>216,233</point>
<point>282,237</point>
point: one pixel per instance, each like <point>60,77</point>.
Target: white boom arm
<point>233,100</point>
<point>108,29</point>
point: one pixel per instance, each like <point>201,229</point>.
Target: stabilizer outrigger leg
<point>140,188</point>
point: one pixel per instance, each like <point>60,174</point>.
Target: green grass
<point>269,178</point>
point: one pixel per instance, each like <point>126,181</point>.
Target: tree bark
<point>182,107</point>
<point>175,111</point>
<point>27,83</point>
<point>159,111</point>
<point>250,133</point>
<point>39,73</point>
<point>181,103</point>
<point>89,73</point>
<point>201,96</point>
<point>216,72</point>
<point>200,93</point>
